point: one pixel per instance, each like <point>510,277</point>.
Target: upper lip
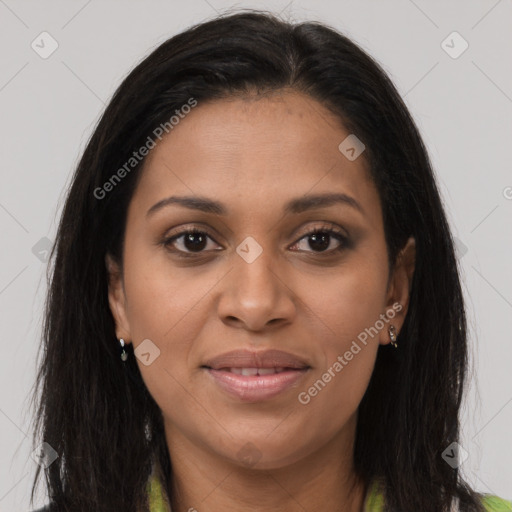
<point>249,359</point>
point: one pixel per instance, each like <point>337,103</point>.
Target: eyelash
<point>328,230</point>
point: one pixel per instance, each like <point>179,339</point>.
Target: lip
<point>263,359</point>
<point>258,387</point>
<point>254,388</point>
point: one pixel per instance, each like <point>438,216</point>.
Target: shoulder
<point>46,508</point>
<point>374,501</point>
<point>490,502</point>
<point>496,504</point>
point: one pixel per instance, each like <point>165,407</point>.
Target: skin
<point>254,155</point>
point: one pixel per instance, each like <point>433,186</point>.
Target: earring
<point>124,354</point>
<point>392,335</point>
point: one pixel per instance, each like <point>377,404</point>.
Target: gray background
<point>462,105</point>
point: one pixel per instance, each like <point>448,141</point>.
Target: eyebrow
<point>295,206</point>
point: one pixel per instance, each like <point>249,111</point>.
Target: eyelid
<point>326,226</point>
<point>323,226</point>
<point>187,228</point>
<point>183,231</point>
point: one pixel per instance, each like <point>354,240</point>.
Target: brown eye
<point>190,241</point>
<point>320,241</point>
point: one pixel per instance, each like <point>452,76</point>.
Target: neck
<point>206,482</point>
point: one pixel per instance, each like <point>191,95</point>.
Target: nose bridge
<point>255,267</point>
<point>256,294</point>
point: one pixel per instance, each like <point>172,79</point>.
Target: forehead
<point>255,150</point>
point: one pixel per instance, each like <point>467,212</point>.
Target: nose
<point>256,295</point>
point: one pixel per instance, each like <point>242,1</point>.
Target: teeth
<point>249,371</point>
<point>256,371</point>
<point>266,371</point>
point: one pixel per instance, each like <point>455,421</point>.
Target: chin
<point>264,455</point>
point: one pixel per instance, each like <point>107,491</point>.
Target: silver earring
<point>124,354</point>
<point>392,335</point>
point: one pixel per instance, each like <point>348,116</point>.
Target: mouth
<point>255,384</point>
<point>251,376</point>
<point>247,360</point>
<point>251,372</point>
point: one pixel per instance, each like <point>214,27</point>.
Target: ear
<point>399,288</point>
<point>117,299</point>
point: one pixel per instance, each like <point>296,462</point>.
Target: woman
<point>254,302</point>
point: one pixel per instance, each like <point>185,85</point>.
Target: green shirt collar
<point>374,501</point>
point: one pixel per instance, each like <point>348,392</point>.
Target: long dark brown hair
<point>96,412</point>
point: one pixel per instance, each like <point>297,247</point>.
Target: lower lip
<point>254,388</point>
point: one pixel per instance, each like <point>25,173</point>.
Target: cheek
<point>347,310</point>
<point>348,301</point>
<point>169,306</point>
<point>156,302</point>
<point>330,401</point>
<point>160,296</point>
<point>169,312</point>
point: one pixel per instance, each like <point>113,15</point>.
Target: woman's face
<point>255,279</point>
